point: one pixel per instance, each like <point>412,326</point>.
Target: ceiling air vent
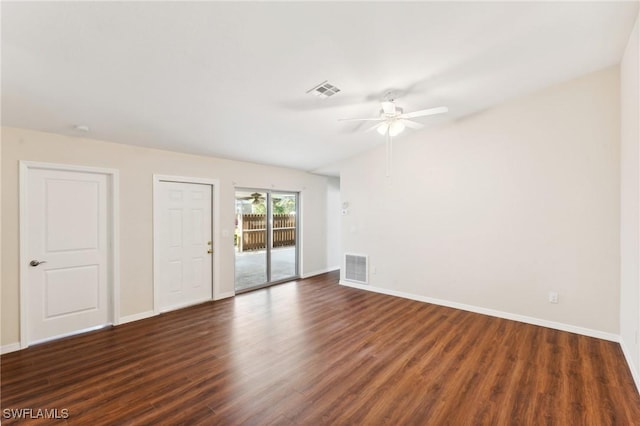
<point>356,268</point>
<point>324,90</point>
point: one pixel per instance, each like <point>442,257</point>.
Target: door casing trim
<point>113,224</point>
<point>215,211</point>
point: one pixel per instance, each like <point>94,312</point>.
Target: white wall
<point>495,211</point>
<point>333,222</point>
<point>1,222</point>
<point>137,166</point>
<point>630,204</point>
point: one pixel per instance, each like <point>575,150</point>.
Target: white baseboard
<point>183,305</point>
<point>225,295</point>
<point>11,347</point>
<point>491,312</point>
<point>322,271</point>
<point>631,364</point>
<point>136,317</point>
<point>149,314</point>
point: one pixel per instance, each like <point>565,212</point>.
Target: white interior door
<point>184,244</point>
<point>67,250</point>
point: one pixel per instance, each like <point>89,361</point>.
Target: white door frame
<point>215,221</point>
<point>113,233</point>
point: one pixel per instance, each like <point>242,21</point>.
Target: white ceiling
<point>229,79</point>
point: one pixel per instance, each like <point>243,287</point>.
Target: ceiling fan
<point>256,197</point>
<point>393,120</point>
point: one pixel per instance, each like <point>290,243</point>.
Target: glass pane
<point>284,253</point>
<point>251,239</point>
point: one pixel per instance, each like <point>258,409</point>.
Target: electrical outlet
<point>553,297</point>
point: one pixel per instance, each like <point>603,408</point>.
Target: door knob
<point>36,262</point>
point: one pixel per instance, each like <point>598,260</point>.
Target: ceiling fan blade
<point>425,112</point>
<point>388,107</point>
<point>374,127</point>
<point>361,119</point>
<point>412,124</point>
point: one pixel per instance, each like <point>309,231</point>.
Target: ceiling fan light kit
<point>394,127</point>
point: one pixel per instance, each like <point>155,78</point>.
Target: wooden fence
<point>253,226</point>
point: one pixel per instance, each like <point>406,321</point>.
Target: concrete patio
<point>251,268</point>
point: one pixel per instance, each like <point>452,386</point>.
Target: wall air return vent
<point>356,268</point>
<point>324,90</point>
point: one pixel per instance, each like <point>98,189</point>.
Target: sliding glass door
<point>251,239</point>
<point>284,247</point>
<point>266,238</point>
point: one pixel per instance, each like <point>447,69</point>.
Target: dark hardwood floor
<point>313,352</point>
